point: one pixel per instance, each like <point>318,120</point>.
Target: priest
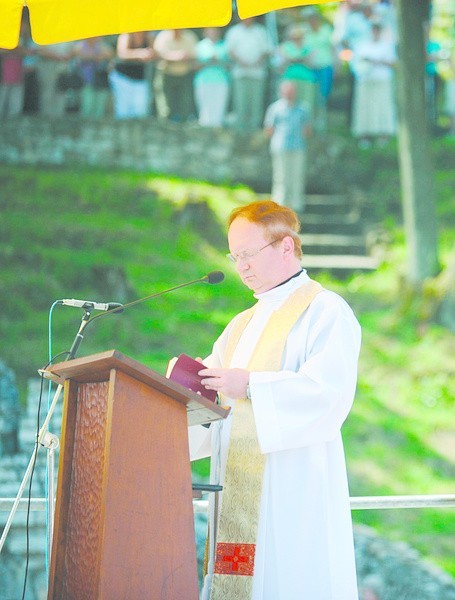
<point>287,366</point>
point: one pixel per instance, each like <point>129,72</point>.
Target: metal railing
<point>381,502</point>
<point>357,502</point>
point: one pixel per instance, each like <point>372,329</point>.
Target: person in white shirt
<point>212,81</point>
<point>287,367</point>
<point>373,111</point>
<point>248,48</point>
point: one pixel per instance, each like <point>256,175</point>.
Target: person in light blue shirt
<point>211,83</point>
<point>287,124</point>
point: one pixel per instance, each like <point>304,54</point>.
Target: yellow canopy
<point>54,21</point>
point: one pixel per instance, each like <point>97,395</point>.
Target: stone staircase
<point>335,234</point>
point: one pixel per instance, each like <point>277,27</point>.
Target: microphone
<point>89,304</point>
<point>214,277</point>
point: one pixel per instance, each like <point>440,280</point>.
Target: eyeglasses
<point>248,254</point>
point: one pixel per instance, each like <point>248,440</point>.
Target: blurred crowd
<point>226,77</point>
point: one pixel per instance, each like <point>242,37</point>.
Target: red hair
<point>276,220</point>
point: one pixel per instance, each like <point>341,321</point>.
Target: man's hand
<point>229,382</point>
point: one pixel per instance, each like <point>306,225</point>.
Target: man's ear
<point>288,246</point>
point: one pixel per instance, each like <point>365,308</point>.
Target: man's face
<point>267,268</point>
<point>288,91</point>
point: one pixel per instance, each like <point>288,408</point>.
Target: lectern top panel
<point>97,367</point>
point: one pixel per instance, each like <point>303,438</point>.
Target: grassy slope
<point>120,236</point>
<point>107,237</point>
<point>400,438</point>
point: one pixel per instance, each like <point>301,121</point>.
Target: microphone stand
<point>51,441</point>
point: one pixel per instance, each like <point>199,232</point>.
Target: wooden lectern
<point>124,523</point>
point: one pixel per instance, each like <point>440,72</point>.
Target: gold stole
<point>239,516</point>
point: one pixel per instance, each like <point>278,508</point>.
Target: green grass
<point>107,236</point>
<point>400,435</point>
<point>112,236</point>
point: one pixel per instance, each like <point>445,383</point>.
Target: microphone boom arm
<point>213,277</point>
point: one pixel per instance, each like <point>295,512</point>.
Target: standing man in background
<point>287,367</point>
<point>287,124</point>
<point>248,48</point>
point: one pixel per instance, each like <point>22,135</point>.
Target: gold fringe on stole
<point>239,515</point>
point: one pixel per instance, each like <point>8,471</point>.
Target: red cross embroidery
<point>234,559</point>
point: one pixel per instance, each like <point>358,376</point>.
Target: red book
<point>185,371</point>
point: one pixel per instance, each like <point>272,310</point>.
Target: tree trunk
<point>416,171</point>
